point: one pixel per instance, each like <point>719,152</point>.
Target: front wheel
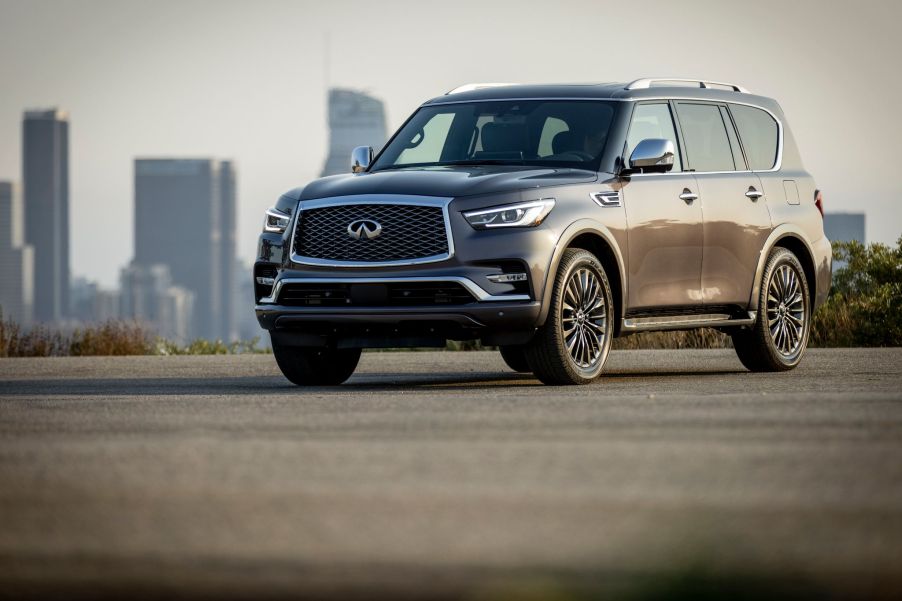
<point>779,337</point>
<point>316,366</point>
<point>573,344</point>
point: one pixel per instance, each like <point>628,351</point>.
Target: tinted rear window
<point>707,144</point>
<point>759,134</point>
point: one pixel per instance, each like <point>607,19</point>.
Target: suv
<point>547,220</point>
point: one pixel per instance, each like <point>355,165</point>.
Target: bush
<point>108,338</point>
<point>864,307</point>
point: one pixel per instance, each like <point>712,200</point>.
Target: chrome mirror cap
<point>652,154</point>
<point>361,158</point>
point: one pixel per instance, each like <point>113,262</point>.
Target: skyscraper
<point>227,243</point>
<point>16,260</point>
<point>184,219</point>
<point>844,227</point>
<point>355,119</point>
<point>45,175</point>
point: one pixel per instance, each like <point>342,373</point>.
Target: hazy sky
<point>246,80</point>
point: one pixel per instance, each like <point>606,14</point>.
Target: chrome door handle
<point>688,196</point>
<point>753,193</point>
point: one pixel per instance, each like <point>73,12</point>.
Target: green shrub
<point>108,338</point>
<point>864,306</point>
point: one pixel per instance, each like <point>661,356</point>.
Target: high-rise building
<point>184,219</point>
<point>45,175</point>
<point>844,227</point>
<point>91,303</point>
<point>355,119</point>
<point>16,260</point>
<point>149,297</point>
<point>227,248</point>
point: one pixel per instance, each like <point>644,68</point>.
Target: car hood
<point>442,181</point>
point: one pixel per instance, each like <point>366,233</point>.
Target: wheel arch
<point>792,239</point>
<point>597,239</point>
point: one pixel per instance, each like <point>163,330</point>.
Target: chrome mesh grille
<point>409,232</point>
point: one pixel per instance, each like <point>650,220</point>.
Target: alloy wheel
<point>786,310</point>
<point>584,318</point>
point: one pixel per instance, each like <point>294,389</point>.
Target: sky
<point>247,81</point>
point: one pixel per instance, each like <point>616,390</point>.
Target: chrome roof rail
<point>642,84</point>
<point>476,86</point>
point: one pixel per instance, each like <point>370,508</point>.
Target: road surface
<point>444,475</point>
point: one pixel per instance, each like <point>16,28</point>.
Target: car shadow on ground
<point>77,388</point>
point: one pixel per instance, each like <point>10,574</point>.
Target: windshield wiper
<point>455,163</point>
<point>486,162</point>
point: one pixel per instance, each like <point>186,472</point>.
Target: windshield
<point>545,133</point>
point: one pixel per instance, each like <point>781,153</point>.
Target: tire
<point>779,337</point>
<point>515,357</point>
<point>316,366</point>
<point>581,300</point>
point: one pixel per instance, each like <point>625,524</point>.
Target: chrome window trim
<point>374,199</point>
<point>478,292</point>
<point>777,165</point>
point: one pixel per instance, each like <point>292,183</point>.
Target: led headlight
<point>275,221</point>
<point>522,214</point>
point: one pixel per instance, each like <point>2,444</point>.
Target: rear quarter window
<point>759,134</point>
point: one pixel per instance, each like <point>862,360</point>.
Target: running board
<point>685,322</point>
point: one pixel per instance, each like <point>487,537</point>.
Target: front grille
<point>394,294</point>
<point>409,233</point>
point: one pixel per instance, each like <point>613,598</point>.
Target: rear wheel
<point>515,357</point>
<point>316,366</point>
<point>573,344</point>
<point>779,337</point>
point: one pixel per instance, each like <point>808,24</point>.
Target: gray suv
<point>547,220</point>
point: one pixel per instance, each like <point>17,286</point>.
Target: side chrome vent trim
<point>608,199</point>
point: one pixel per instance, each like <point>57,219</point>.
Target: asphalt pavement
<point>445,475</point>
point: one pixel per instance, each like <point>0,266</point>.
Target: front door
<point>665,222</point>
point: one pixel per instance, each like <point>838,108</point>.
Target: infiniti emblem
<point>365,229</point>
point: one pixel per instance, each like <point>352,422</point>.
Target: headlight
<point>275,221</point>
<point>522,214</point>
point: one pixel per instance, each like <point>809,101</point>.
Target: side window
<point>707,144</point>
<point>427,144</point>
<point>734,141</point>
<point>759,134</point>
<point>653,121</point>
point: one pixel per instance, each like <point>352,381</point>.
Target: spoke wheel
<point>584,318</point>
<point>573,343</point>
<point>779,337</point>
<point>786,310</point>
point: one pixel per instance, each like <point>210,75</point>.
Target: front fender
<point>576,229</point>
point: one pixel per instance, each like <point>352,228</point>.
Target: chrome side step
<point>685,322</point>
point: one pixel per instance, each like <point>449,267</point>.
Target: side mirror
<point>652,155</point>
<point>361,158</point>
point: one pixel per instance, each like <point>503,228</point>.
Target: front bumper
<point>373,327</point>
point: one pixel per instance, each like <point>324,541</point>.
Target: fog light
<point>506,278</point>
<point>266,281</point>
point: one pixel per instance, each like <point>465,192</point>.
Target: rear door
<point>734,211</point>
<point>664,220</point>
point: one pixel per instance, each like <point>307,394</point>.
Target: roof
<point>604,91</point>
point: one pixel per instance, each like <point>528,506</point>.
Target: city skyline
<point>252,85</point>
